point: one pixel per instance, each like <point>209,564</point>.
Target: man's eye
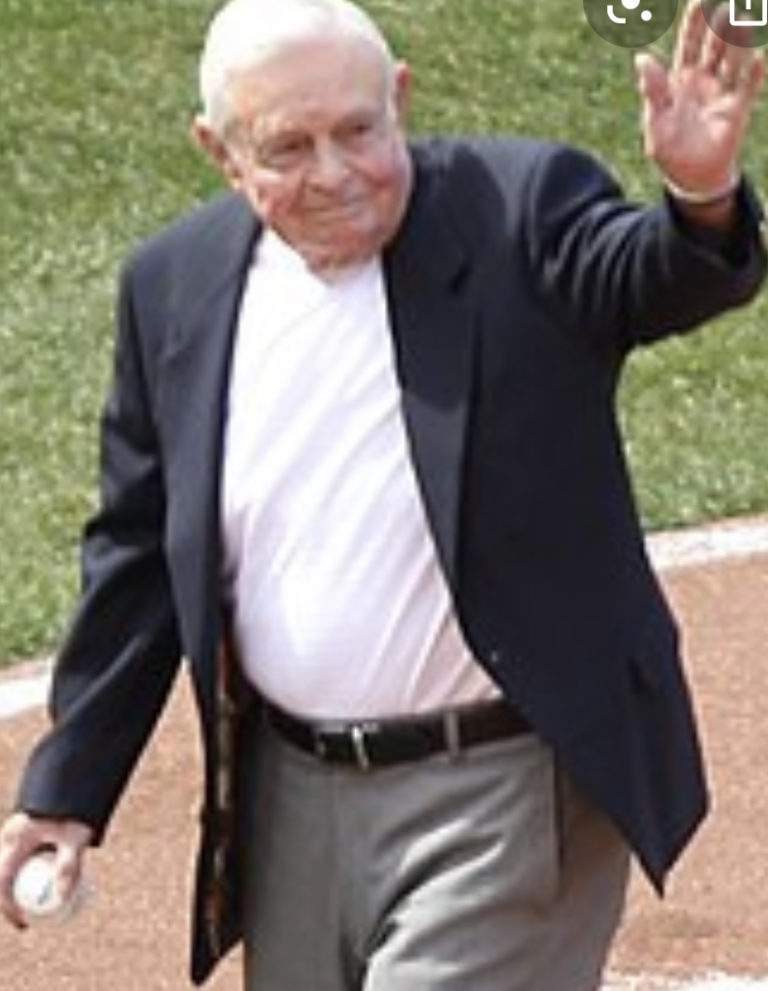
<point>356,130</point>
<point>290,147</point>
<point>284,152</point>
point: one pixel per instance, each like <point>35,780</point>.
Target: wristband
<point>708,198</point>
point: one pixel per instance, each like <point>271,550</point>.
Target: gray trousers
<point>485,871</point>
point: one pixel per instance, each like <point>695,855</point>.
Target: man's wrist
<point>703,197</point>
<point>731,228</point>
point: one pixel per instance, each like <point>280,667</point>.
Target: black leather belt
<point>371,743</point>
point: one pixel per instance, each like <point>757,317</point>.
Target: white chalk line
<point>707,982</point>
<point>21,692</point>
<point>730,541</point>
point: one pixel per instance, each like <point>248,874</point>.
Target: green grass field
<point>95,106</point>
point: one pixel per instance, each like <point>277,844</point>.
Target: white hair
<point>245,33</point>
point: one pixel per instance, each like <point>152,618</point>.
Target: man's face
<point>321,152</point>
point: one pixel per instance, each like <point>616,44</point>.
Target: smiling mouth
<point>336,211</point>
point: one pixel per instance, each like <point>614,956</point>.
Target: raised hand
<point>697,110</point>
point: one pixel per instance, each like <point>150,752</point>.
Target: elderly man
<point>361,468</point>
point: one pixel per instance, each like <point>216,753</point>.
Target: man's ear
<point>221,156</point>
<point>402,92</point>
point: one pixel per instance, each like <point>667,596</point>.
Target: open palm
<point>696,111</point>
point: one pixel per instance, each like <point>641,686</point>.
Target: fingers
<point>652,80</point>
<point>691,37</point>
<point>69,866</point>
<point>653,86</point>
<point>713,46</point>
<point>755,76</point>
<point>21,836</point>
<point>725,54</point>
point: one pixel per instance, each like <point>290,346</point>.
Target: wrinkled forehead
<point>313,76</point>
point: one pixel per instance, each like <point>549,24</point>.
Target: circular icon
<point>743,23</point>
<point>632,23</point>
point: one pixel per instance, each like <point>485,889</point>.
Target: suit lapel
<point>432,323</point>
<point>193,398</point>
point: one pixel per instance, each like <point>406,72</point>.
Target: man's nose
<point>329,166</point>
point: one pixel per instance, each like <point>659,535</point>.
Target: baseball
<point>36,893</point>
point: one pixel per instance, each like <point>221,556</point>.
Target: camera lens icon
<point>645,15</point>
<point>630,23</point>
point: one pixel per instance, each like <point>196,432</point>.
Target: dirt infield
<point>133,935</point>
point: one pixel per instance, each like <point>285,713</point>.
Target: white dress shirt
<point>340,607</point>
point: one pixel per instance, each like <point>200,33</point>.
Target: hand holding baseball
<point>41,867</point>
<point>40,894</point>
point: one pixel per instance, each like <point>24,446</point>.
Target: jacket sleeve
<point>118,662</point>
<point>624,275</point>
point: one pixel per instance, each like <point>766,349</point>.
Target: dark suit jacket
<point>517,286</point>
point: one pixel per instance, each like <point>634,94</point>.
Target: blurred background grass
<point>95,105</point>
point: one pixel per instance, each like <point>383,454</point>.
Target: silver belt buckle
<point>358,735</point>
<point>452,733</point>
